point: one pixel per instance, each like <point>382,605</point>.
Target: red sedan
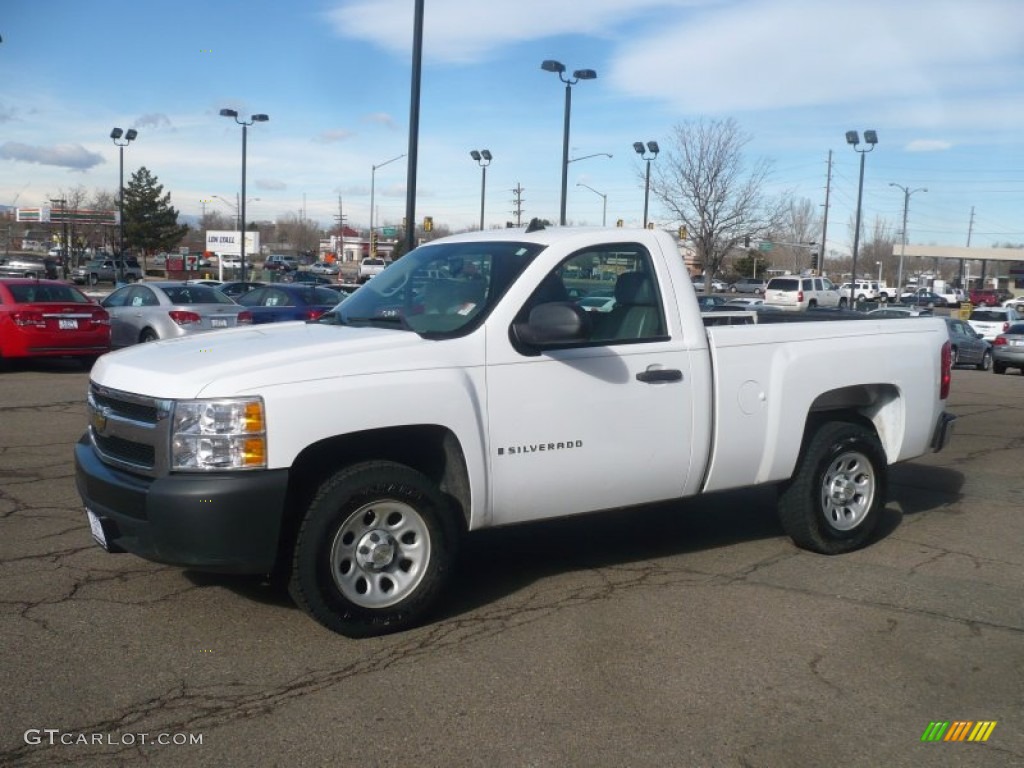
<point>48,318</point>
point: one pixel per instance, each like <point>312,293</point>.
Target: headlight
<point>219,434</point>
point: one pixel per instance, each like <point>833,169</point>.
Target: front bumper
<point>943,431</point>
<point>226,521</point>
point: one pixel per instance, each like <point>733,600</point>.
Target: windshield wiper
<point>388,321</point>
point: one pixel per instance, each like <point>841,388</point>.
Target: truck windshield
<point>437,290</point>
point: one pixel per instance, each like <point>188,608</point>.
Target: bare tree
<point>703,180</point>
<point>876,250</point>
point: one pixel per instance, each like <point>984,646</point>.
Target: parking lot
<point>687,634</point>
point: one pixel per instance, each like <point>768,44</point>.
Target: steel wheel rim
<point>380,554</point>
<point>848,490</point>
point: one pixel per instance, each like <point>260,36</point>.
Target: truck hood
<point>249,359</point>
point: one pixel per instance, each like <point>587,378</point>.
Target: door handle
<point>659,375</point>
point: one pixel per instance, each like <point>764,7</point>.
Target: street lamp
<point>129,136</point>
<point>549,65</point>
<point>903,245</point>
<point>604,198</point>
<point>245,126</point>
<point>652,147</point>
<point>853,139</point>
<point>483,157</point>
<point>586,157</point>
<point>373,181</point>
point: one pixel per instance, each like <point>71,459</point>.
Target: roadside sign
<point>764,246</point>
<point>388,231</point>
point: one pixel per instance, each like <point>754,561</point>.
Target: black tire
<point>148,335</point>
<point>986,361</point>
<point>1000,368</point>
<point>835,498</point>
<point>374,551</point>
<point>954,357</point>
<point>843,303</point>
<point>94,279</point>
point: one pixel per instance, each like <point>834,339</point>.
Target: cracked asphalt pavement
<point>687,634</point>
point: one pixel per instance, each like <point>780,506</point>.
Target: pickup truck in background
<point>106,271</point>
<point>371,266</point>
<point>484,396</point>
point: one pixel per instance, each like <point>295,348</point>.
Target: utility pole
<point>341,233</point>
<point>824,219</point>
<point>517,201</point>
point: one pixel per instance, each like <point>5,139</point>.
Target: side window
<point>818,286</point>
<point>616,287</point>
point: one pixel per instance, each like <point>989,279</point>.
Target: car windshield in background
<point>438,290</point>
<point>195,294</point>
<point>29,293</point>
<point>987,316</point>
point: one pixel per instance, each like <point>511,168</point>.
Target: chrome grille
<point>129,431</point>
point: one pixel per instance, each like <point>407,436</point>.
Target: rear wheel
<point>843,303</point>
<point>94,279</point>
<point>148,335</point>
<point>998,367</point>
<point>835,498</point>
<point>374,550</point>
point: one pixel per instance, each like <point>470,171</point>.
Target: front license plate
<point>66,324</point>
<point>219,322</point>
<point>96,528</point>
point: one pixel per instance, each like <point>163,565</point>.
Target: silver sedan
<point>168,309</point>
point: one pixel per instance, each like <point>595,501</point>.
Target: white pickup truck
<point>463,389</point>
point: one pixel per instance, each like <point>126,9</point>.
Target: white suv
<point>799,293</point>
<point>865,290</point>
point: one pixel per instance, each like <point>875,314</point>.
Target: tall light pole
<point>129,136</point>
<point>245,126</point>
<point>853,139</point>
<point>373,181</point>
<point>654,149</point>
<point>483,158</point>
<point>604,199</point>
<point>903,241</point>
<point>550,65</point>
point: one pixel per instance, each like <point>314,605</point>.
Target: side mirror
<point>554,324</point>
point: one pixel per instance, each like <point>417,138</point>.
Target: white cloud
<point>329,137</point>
<point>754,55</point>
<point>380,118</point>
<point>72,156</point>
<point>928,145</point>
<point>465,31</point>
<point>270,184</point>
<point>154,120</point>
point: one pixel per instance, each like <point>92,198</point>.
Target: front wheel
<point>835,498</point>
<point>986,361</point>
<point>94,279</point>
<point>374,550</point>
<point>843,303</point>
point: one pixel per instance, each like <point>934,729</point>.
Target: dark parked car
<point>1008,349</point>
<point>924,298</point>
<point>304,277</point>
<point>969,348</point>
<point>238,288</point>
<point>289,301</point>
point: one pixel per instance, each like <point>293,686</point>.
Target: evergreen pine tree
<point>150,221</point>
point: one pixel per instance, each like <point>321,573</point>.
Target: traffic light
<point>814,262</point>
<point>746,241</point>
<point>373,243</point>
<point>619,223</point>
<point>682,233</point>
<point>650,225</point>
<point>428,223</point>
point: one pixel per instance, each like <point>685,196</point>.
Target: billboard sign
<point>229,243</point>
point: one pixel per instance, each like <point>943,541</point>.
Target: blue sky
<point>940,81</point>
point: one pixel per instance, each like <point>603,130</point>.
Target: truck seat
<point>635,314</point>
